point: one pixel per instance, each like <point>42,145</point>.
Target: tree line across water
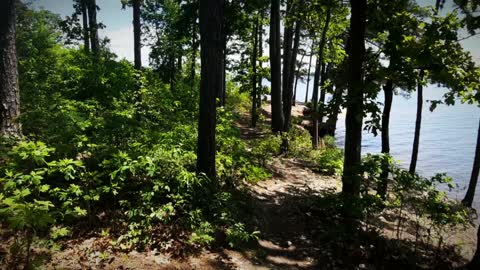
<point>88,139</point>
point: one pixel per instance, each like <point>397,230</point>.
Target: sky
<point>119,27</point>
<point>118,23</point>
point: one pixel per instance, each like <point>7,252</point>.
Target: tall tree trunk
<point>92,21</point>
<point>335,110</point>
<point>475,262</point>
<point>222,93</point>
<point>9,89</point>
<point>418,122</point>
<point>194,56</point>
<point>86,36</point>
<point>308,74</point>
<point>316,83</point>
<point>275,68</point>
<point>351,178</point>
<point>211,19</point>
<point>323,41</point>
<point>254,72</point>
<point>137,34</point>
<point>297,76</point>
<point>290,75</point>
<point>323,92</point>
<point>388,91</point>
<point>260,55</point>
<point>468,200</point>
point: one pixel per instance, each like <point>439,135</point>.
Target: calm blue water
<point>447,138</point>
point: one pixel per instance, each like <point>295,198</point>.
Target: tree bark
<point>275,68</point>
<point>335,110</point>
<point>316,82</point>
<point>254,72</point>
<point>388,91</point>
<point>323,91</point>
<point>468,200</point>
<point>194,56</point>
<point>297,76</point>
<point>92,21</point>
<point>308,74</point>
<point>211,19</point>
<point>323,41</point>
<point>86,36</point>
<point>418,123</point>
<point>137,34</point>
<point>353,122</point>
<point>288,91</point>
<point>260,55</point>
<point>9,87</point>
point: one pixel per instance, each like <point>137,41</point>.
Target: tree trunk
<point>475,262</point>
<point>323,91</point>
<point>468,200</point>
<point>260,54</point>
<point>194,56</point>
<point>222,93</point>
<point>316,82</point>
<point>388,91</point>
<point>323,41</point>
<point>353,122</point>
<point>9,88</point>
<point>86,36</point>
<point>333,117</point>
<point>275,68</point>
<point>418,123</point>
<point>137,33</point>
<point>308,74</point>
<point>211,19</point>
<point>287,52</point>
<point>288,91</point>
<point>297,76</point>
<point>92,21</point>
<point>254,72</point>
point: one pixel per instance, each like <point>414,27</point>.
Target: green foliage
<point>411,196</point>
<point>237,234</point>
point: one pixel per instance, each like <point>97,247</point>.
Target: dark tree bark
<point>287,52</point>
<point>260,54</point>
<point>254,72</point>
<point>9,88</point>
<point>308,74</point>
<point>475,262</point>
<point>418,123</point>
<point>92,21</point>
<point>323,92</point>
<point>86,36</point>
<point>323,41</point>
<point>353,122</point>
<point>468,200</point>
<point>388,91</point>
<point>211,19</point>
<point>275,68</point>
<point>297,76</point>
<point>222,93</point>
<point>316,83</point>
<point>335,110</point>
<point>288,91</point>
<point>137,34</point>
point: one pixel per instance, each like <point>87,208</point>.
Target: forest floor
<point>295,211</point>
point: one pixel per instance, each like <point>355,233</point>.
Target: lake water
<point>447,138</point>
